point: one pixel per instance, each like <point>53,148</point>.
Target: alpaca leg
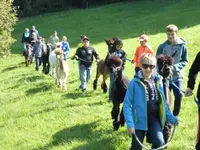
<point>104,85</point>
<point>122,120</point>
<point>64,86</point>
<point>95,83</point>
<point>115,114</point>
<point>167,131</point>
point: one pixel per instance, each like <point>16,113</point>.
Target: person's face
<point>26,30</point>
<point>118,47</point>
<point>172,36</point>
<point>55,33</point>
<point>64,39</point>
<point>147,69</point>
<point>86,43</point>
<point>33,28</point>
<point>143,43</point>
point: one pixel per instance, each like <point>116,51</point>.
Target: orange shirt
<point>139,51</point>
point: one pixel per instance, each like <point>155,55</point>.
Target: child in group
<point>145,109</point>
<point>175,47</point>
<point>65,47</point>
<point>38,51</point>
<point>53,40</point>
<point>85,56</point>
<point>81,44</point>
<point>119,52</point>
<point>143,48</point>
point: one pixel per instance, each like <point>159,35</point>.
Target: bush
<point>7,21</point>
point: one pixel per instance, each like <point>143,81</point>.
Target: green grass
<point>35,114</point>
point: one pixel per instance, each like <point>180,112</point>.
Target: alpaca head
<point>164,64</point>
<point>59,53</point>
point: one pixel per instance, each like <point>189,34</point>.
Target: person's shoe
<point>83,90</point>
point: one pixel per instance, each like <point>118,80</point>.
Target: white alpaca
<point>52,61</point>
<point>62,70</point>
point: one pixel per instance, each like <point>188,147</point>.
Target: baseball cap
<point>86,38</point>
<point>143,37</point>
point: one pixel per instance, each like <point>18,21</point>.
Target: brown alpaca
<point>62,69</point>
<point>28,55</point>
<point>103,70</point>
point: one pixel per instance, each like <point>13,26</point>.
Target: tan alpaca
<point>62,69</point>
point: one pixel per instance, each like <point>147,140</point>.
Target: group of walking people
<point>145,107</point>
<point>39,47</point>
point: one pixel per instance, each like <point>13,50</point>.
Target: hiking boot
<point>116,125</point>
<point>83,90</point>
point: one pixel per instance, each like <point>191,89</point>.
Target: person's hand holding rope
<point>188,92</point>
<point>131,131</point>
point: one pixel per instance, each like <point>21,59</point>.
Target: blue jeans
<point>38,62</point>
<point>178,96</point>
<point>24,47</point>
<point>65,56</point>
<point>85,74</point>
<point>155,133</point>
<point>111,83</point>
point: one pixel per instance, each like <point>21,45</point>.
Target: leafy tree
<point>7,21</point>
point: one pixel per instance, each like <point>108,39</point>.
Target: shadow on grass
<point>10,68</point>
<point>41,88</point>
<point>76,95</point>
<point>47,110</point>
<point>73,81</point>
<point>32,78</point>
<point>83,132</point>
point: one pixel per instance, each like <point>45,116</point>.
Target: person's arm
<point>123,58</point>
<point>95,54</point>
<point>183,62</point>
<point>49,40</point>
<point>135,56</point>
<point>66,49</point>
<point>151,50</point>
<point>127,105</point>
<point>76,55</point>
<point>34,49</point>
<point>193,72</point>
<point>169,116</point>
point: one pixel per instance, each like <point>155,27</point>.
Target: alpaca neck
<point>61,64</point>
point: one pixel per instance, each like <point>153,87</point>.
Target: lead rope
<point>159,148</point>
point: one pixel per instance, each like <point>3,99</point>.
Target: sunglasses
<point>145,66</point>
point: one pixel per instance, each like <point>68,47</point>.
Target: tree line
<point>36,7</point>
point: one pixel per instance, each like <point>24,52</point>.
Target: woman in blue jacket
<point>145,108</point>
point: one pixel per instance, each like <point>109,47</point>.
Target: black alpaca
<point>45,59</point>
<point>118,90</point>
<point>164,63</point>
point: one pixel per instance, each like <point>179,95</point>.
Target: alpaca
<point>45,59</point>
<point>118,90</point>
<point>62,69</point>
<point>164,64</point>
<point>52,61</point>
<point>28,54</point>
<point>103,70</point>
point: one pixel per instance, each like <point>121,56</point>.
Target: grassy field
<point>35,114</point>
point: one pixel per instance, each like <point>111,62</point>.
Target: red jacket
<point>138,53</point>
